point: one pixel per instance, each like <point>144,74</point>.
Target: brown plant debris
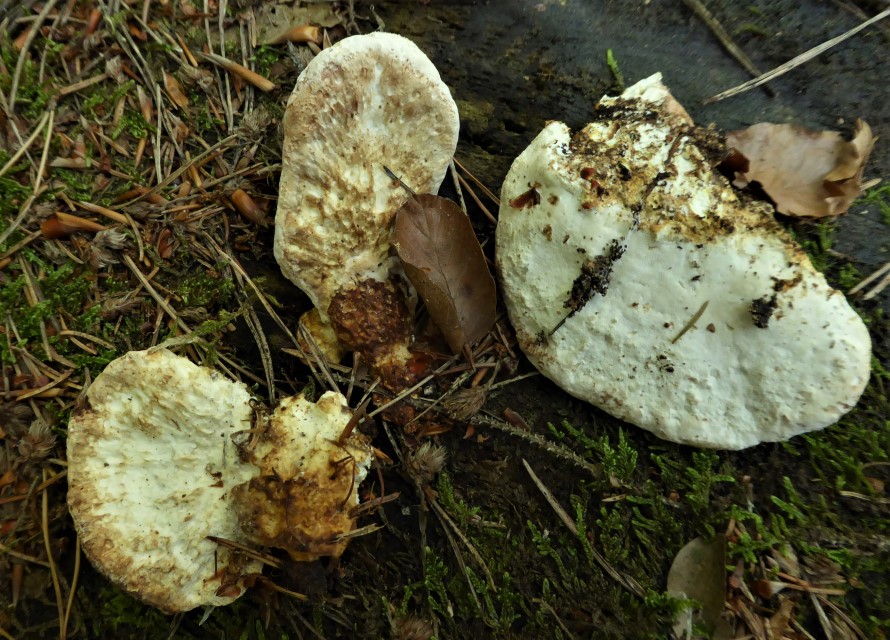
<point>442,257</point>
<point>806,173</point>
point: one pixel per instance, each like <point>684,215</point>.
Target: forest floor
<point>111,114</point>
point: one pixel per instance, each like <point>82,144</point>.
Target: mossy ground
<point>500,562</point>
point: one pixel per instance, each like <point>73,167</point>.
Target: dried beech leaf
<point>806,173</point>
<point>442,258</point>
<point>179,98</point>
<point>698,572</point>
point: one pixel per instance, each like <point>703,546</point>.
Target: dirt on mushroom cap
<point>366,102</point>
<point>150,463</point>
<point>636,176</point>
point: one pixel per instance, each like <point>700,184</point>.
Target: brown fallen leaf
<point>806,173</point>
<point>179,98</point>
<point>781,619</point>
<point>442,258</point>
<point>699,572</point>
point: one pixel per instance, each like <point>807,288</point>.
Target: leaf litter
<point>173,210</point>
<point>698,573</point>
<point>444,261</point>
<point>806,173</point>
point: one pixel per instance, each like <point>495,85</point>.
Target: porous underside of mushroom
<point>150,467</point>
<point>367,102</point>
<point>623,231</point>
<point>308,483</point>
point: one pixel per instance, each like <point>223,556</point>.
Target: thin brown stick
<point>625,581</point>
<point>477,200</point>
<point>83,84</point>
<point>867,281</point>
<point>440,511</point>
<point>103,211</point>
<point>695,318</point>
<point>797,61</point>
<point>261,83</point>
<point>23,556</point>
<point>478,182</point>
<point>36,191</point>
<point>69,607</point>
<point>44,519</point>
<point>731,47</point>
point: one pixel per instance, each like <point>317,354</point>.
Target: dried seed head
<point>426,462</point>
<point>411,628</point>
<point>113,307</point>
<point>105,243</point>
<point>14,416</point>
<point>114,67</point>
<point>465,403</point>
<point>38,443</point>
<point>196,76</point>
<point>255,123</point>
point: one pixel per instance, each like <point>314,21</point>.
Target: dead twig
<point>731,47</point>
<point>625,581</point>
<point>883,273</point>
<point>44,519</point>
<point>797,61</point>
<point>69,607</point>
<point>261,83</point>
<point>538,440</point>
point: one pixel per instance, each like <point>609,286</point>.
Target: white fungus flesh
<point>150,468</point>
<point>368,102</point>
<point>639,281</point>
<point>168,453</point>
<point>303,499</point>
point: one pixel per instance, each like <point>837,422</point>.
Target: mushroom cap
<point>367,102</point>
<point>625,232</point>
<point>150,467</point>
<point>308,482</point>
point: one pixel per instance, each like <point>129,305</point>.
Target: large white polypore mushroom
<point>639,281</point>
<point>153,470</point>
<point>367,103</point>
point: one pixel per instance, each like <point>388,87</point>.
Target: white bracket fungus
<point>153,470</point>
<point>367,103</point>
<point>637,280</point>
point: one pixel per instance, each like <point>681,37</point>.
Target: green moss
<point>122,615</point>
<point>879,197</point>
<point>204,288</point>
<point>134,124</point>
<point>617,76</point>
<point>32,95</point>
<point>848,277</point>
<point>12,192</point>
<point>205,121</point>
<point>64,290</point>
<point>99,102</point>
<point>264,57</point>
<point>78,184</point>
<point>817,243</point>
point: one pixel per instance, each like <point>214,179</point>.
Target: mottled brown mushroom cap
<point>367,102</point>
<point>150,467</point>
